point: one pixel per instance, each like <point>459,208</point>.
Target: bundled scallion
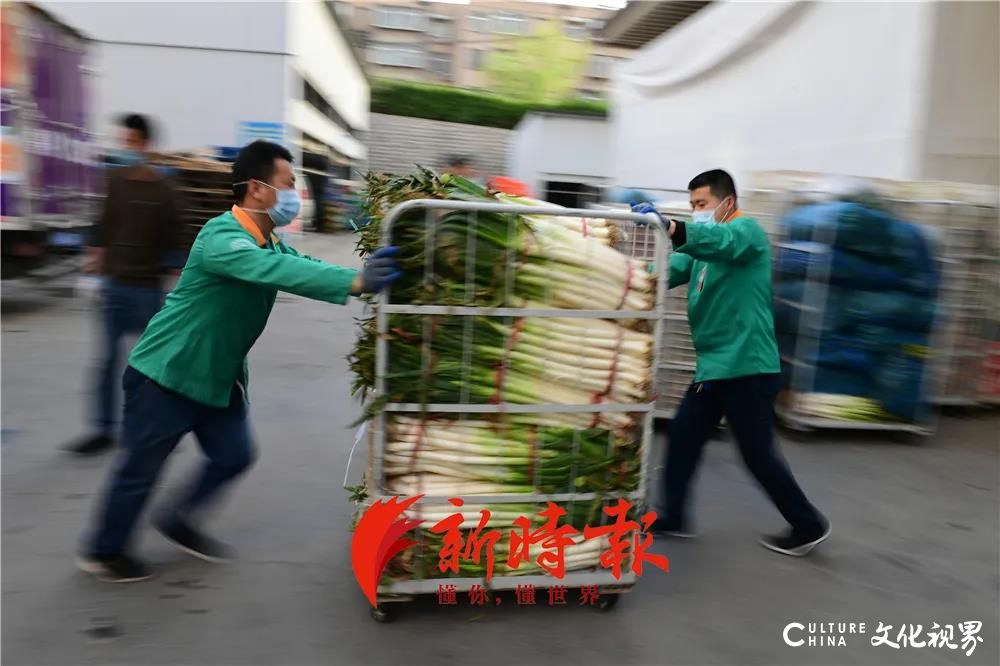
<point>487,260</point>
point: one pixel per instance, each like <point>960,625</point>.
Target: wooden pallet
<point>203,199</point>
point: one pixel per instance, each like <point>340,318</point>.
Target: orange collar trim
<point>735,214</point>
<point>249,225</point>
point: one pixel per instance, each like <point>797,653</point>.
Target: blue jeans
<point>154,421</point>
<point>748,405</point>
<point>124,309</point>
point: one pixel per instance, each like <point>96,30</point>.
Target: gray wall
<point>396,143</point>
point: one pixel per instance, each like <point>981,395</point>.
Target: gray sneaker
<point>794,543</point>
<point>115,569</point>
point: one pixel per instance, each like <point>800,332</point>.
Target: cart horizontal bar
<point>954,401</point>
<point>450,205</point>
<point>572,580</point>
<point>789,416</point>
<point>811,249</point>
<point>510,408</point>
<point>794,361</point>
<point>668,365</point>
<point>513,498</point>
<point>796,305</point>
<point>448,310</point>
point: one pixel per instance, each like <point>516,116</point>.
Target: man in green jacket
<point>725,259</point>
<point>188,372</point>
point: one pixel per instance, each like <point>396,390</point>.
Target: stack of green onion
<point>490,260</point>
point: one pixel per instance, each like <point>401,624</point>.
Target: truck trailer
<point>50,178</point>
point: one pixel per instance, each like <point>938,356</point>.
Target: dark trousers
<point>748,405</point>
<point>154,421</point>
<point>124,309</point>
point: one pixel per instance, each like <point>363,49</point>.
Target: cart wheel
<point>607,602</point>
<point>382,614</point>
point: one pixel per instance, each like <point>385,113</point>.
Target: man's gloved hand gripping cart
<point>509,375</point>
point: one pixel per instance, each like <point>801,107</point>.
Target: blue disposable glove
<point>647,207</point>
<point>381,270</point>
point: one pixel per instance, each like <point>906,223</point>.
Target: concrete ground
<point>915,536</point>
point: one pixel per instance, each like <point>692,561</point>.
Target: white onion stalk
<point>573,297</point>
<point>583,276</point>
<point>604,348</point>
<point>552,241</point>
<point>585,329</point>
<point>434,484</point>
<point>397,455</point>
<point>437,442</point>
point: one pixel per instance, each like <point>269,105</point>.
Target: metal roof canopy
<point>641,22</point>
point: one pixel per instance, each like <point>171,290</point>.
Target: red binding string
<point>629,269</point>
<point>409,337</point>
<point>598,398</point>
<point>502,367</point>
<point>413,459</point>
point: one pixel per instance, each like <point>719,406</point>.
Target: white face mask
<point>703,216</point>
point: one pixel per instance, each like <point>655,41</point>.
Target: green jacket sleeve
<point>679,270</point>
<point>232,253</point>
<point>737,241</point>
<point>288,249</point>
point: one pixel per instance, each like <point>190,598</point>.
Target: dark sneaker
<point>118,569</point>
<point>796,544</point>
<point>195,543</point>
<point>671,528</point>
<point>89,446</point>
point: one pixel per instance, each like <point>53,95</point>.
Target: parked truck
<point>50,178</point>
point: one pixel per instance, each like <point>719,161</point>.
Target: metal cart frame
<point>404,590</point>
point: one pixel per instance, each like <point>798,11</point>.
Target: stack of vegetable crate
<point>510,367</point>
<point>204,187</point>
<point>963,219</point>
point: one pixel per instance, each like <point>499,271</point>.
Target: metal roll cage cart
<point>812,309</point>
<point>434,210</point>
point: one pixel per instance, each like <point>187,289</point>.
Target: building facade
<point>224,73</point>
<point>912,95</point>
<point>449,43</point>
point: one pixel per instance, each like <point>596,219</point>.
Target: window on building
<point>397,55</point>
<point>600,66</point>
<point>359,38</point>
<point>477,58</point>
<point>439,27</point>
<point>441,64</point>
<point>479,23</point>
<point>510,24</point>
<point>400,18</point>
<point>571,195</point>
<point>315,99</point>
<point>577,28</point>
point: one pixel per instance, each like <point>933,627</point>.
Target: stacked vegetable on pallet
<point>203,187</point>
<point>857,301</point>
<point>489,259</point>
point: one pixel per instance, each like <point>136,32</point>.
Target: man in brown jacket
<point>135,239</point>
